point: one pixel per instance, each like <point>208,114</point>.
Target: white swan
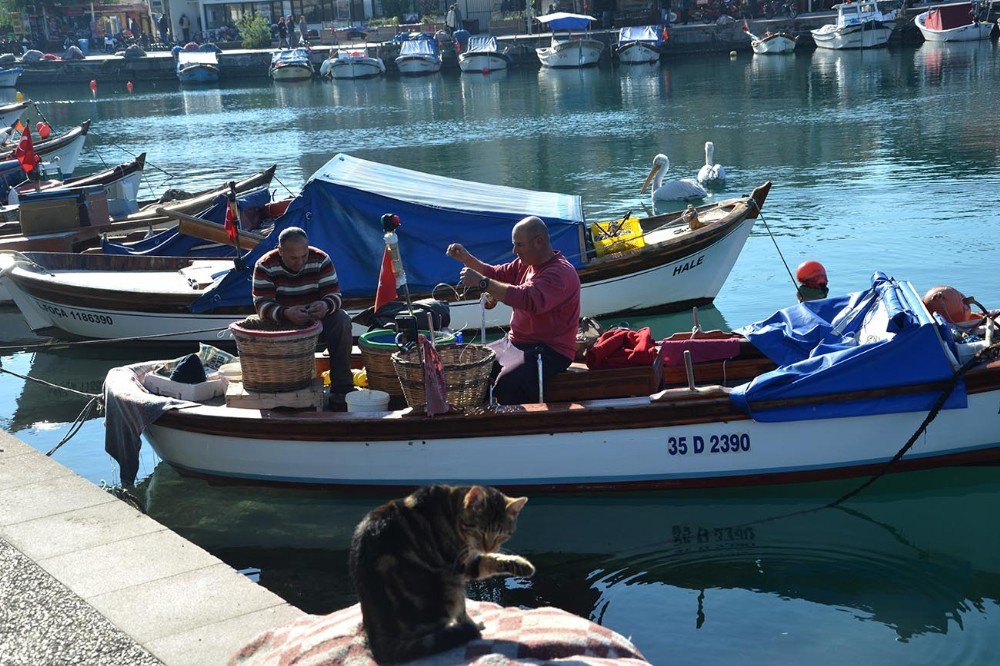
<point>683,189</point>
<point>711,174</point>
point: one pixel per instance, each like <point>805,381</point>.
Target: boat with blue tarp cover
<point>569,48</point>
<point>639,44</point>
<point>825,389</point>
<point>666,264</point>
<point>418,56</point>
<point>482,54</point>
<point>197,67</point>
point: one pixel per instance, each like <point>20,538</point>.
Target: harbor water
<point>881,160</point>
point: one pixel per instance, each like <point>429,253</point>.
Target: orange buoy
<point>811,274</point>
<point>43,129</point>
<point>950,304</point>
<point>129,87</point>
<point>93,87</point>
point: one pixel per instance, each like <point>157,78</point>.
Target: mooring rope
<point>49,384</point>
<point>94,403</point>
<point>104,341</point>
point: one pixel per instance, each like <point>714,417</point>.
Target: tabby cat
<point>411,559</point>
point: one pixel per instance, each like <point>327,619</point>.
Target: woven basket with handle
<point>377,348</point>
<point>466,374</point>
<point>274,359</point>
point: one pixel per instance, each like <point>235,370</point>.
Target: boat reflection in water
<point>569,86</point>
<point>709,573</point>
<point>856,74</point>
<point>946,63</point>
<point>358,94</point>
<point>201,101</point>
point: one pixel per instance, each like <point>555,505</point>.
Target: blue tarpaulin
<point>566,21</point>
<point>172,243</point>
<point>341,205</point>
<point>876,339</point>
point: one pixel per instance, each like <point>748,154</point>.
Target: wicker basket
<point>466,374</point>
<point>377,348</point>
<point>275,360</point>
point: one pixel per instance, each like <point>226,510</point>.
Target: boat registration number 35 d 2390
<point>736,442</point>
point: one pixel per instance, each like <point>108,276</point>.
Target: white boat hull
<point>353,69</point>
<point>695,278</point>
<point>778,44</point>
<point>965,33</point>
<point>717,453</point>
<point>481,62</point>
<point>291,73</point>
<point>418,65</point>
<point>8,77</point>
<point>64,159</point>
<point>853,37</point>
<point>574,53</point>
<point>635,53</point>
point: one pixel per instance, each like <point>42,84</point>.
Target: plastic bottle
<point>392,242</point>
<point>458,339</point>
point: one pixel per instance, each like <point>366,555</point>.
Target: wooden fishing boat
<point>829,389</point>
<point>568,49</point>
<point>11,112</point>
<point>482,55</point>
<point>953,23</point>
<point>9,76</point>
<point>83,236</point>
<point>676,267</point>
<point>418,56</point>
<point>639,44</point>
<point>352,64</point>
<point>61,153</point>
<point>197,67</point>
<point>772,43</point>
<point>291,65</point>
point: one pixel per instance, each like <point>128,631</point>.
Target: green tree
<point>255,30</point>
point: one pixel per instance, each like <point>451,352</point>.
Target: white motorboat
<point>418,56</point>
<point>569,49</point>
<point>11,112</point>
<point>482,55</point>
<point>953,23</point>
<point>639,44</point>
<point>352,65</point>
<point>860,25</point>
<point>291,65</point>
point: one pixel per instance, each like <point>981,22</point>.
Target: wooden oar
<point>199,228</point>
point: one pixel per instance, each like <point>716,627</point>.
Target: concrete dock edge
<point>85,578</point>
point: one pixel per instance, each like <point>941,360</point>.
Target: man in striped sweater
<point>297,284</point>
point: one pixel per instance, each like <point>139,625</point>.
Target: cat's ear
<point>515,504</point>
<point>473,496</point>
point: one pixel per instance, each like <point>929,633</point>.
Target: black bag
<point>386,316</point>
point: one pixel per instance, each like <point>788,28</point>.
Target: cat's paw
<point>518,566</point>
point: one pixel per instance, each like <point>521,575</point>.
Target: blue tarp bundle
<point>172,243</point>
<point>419,47</point>
<point>341,205</point>
<point>875,339</point>
<point>566,21</point>
<point>641,33</point>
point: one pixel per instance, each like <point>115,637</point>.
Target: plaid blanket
<point>512,636</point>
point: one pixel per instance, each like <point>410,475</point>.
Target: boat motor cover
<point>879,338</point>
<point>341,206</point>
<point>172,243</point>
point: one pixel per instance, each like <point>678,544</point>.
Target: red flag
<point>434,386</point>
<point>232,223</point>
<point>746,26</point>
<point>666,34</point>
<point>25,152</point>
<point>386,291</point>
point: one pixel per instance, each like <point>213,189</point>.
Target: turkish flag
<point>232,223</point>
<point>25,153</point>
<point>746,26</point>
<point>666,34</point>
<point>386,291</point>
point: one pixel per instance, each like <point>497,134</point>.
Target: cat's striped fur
<point>411,559</point>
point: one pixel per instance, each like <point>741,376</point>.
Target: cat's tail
<point>440,640</point>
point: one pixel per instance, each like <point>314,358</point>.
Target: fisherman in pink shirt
<point>543,289</point>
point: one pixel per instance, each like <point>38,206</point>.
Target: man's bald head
<point>531,241</point>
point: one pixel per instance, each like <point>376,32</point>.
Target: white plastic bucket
<point>367,400</point>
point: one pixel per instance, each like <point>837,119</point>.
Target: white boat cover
<point>197,57</point>
<point>425,47</point>
<point>441,192</point>
<point>482,44</point>
<point>639,33</point>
